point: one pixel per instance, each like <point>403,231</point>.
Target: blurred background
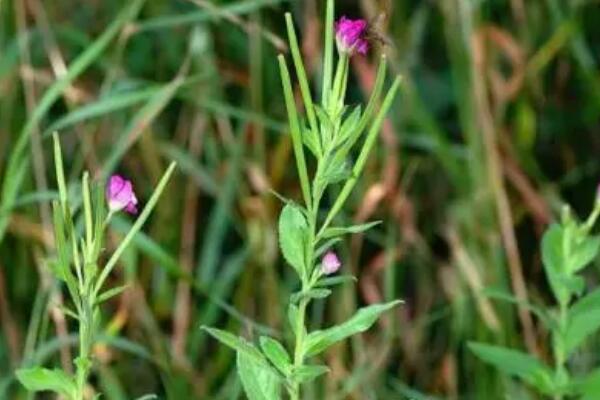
<point>495,127</point>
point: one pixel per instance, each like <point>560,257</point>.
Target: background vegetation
<point>496,126</point>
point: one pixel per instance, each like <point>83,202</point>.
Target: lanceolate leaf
<point>335,280</point>
<point>293,230</point>
<point>260,381</point>
<point>338,231</point>
<point>276,353</point>
<point>554,262</point>
<point>307,373</point>
<point>583,253</point>
<point>237,343</point>
<point>516,363</point>
<point>318,341</point>
<point>312,293</point>
<point>584,320</point>
<point>42,379</point>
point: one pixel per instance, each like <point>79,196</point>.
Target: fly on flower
<point>375,32</point>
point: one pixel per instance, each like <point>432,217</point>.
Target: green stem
<point>307,282</point>
<point>86,342</point>
<point>560,372</point>
<point>298,351</point>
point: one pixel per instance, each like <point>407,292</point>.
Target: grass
<point>495,127</point>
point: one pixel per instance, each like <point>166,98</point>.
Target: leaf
<point>276,353</point>
<point>293,316</point>
<point>339,231</point>
<point>306,373</point>
<point>516,363</point>
<point>588,387</point>
<point>312,293</point>
<point>335,280</point>
<point>584,253</point>
<point>326,246</point>
<point>42,379</point>
<point>311,140</point>
<point>540,312</point>
<point>349,124</point>
<point>292,237</point>
<point>554,262</point>
<point>236,343</point>
<point>318,341</point>
<point>583,320</point>
<point>111,293</point>
<point>327,126</point>
<point>260,382</point>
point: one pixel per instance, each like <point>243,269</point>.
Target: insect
<point>374,33</point>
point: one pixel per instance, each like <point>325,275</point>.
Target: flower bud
<point>120,195</point>
<point>351,36</point>
<point>330,263</point>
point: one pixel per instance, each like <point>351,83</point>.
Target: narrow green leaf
<point>42,379</point>
<point>110,293</point>
<point>260,381</point>
<point>312,293</point>
<point>335,280</point>
<point>326,246</point>
<point>364,153</point>
<point>292,316</point>
<point>339,231</point>
<point>295,130</point>
<point>318,341</point>
<point>302,79</point>
<point>328,53</point>
<point>555,262</point>
<point>236,343</point>
<point>584,253</point>
<point>276,353</point>
<point>583,320</point>
<point>516,363</point>
<point>293,232</point>
<point>307,373</point>
<point>349,125</point>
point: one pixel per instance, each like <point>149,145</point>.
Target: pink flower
<point>330,263</point>
<point>351,35</point>
<point>120,195</point>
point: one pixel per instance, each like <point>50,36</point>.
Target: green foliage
<point>259,380</point>
<point>42,379</point>
<point>583,319</point>
<point>567,248</point>
<point>516,363</point>
<point>320,340</point>
<point>293,237</point>
<point>276,353</point>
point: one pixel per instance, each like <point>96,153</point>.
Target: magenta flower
<point>351,35</point>
<point>330,263</point>
<point>120,195</point>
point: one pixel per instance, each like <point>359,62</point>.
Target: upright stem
<point>559,352</point>
<point>298,353</point>
<point>86,341</point>
<point>313,213</point>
